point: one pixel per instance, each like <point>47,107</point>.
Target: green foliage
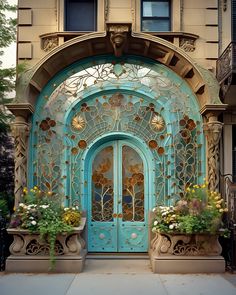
<point>43,213</point>
<point>7,75</point>
<point>7,24</point>
<point>3,207</point>
<point>200,211</point>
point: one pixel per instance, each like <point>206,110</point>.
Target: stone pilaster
<point>20,131</point>
<point>213,130</point>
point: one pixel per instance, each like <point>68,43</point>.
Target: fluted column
<point>213,130</point>
<point>20,131</point>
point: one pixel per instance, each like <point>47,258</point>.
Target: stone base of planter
<point>187,264</point>
<point>41,264</point>
<point>182,253</point>
<point>29,253</point>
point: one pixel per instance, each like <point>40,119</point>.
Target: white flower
<point>33,222</point>
<point>171,226</point>
<point>21,205</point>
<point>65,209</point>
<point>155,222</point>
<point>154,209</point>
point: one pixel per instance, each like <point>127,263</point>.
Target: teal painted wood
<point>118,235</point>
<point>89,89</point>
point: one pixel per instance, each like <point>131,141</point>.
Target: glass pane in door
<point>103,186</point>
<point>132,185</point>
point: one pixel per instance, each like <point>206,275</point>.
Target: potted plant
<point>42,226</point>
<point>190,227</point>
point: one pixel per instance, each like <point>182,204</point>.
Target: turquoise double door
<point>118,205</point>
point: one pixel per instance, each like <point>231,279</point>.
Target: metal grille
<point>128,96</point>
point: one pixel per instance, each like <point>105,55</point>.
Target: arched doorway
<point>118,193</point>
<point>97,106</point>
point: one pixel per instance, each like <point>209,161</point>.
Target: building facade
<point>120,109</point>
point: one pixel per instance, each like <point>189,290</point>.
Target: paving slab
<point>117,284</point>
<point>35,284</point>
<point>117,276</point>
<point>197,284</point>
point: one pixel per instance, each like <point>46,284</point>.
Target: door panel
<point>117,211</point>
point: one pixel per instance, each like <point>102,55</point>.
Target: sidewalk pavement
<point>117,277</point>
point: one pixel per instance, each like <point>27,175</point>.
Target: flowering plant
<point>200,211</point>
<point>43,213</point>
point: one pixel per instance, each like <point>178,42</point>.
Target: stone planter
<point>182,253</point>
<point>30,254</point>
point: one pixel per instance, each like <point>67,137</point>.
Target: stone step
<point>112,256</point>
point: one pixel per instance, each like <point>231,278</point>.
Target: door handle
<point>114,215</point>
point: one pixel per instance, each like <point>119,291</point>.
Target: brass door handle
<point>114,215</point>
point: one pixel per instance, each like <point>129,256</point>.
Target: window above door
<point>80,15</point>
<point>155,15</point>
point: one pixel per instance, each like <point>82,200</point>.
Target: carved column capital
<point>213,130</point>
<point>20,131</point>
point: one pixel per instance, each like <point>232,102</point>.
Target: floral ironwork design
<point>135,97</point>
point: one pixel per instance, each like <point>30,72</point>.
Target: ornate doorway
<point>118,205</point>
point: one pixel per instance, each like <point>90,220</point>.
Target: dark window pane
<point>81,15</point>
<point>159,9</point>
<point>160,25</point>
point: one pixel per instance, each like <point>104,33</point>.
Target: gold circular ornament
<point>78,123</point>
<point>157,123</point>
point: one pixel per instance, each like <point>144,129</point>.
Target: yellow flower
<point>218,206</point>
<point>221,210</point>
<point>193,191</point>
<point>188,189</point>
<point>49,193</point>
<point>203,186</point>
<point>226,210</point>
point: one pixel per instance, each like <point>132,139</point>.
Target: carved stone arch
<point>118,40</point>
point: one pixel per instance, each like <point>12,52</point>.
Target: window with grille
<point>81,15</point>
<point>155,15</point>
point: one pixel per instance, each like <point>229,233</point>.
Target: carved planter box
<point>30,254</point>
<point>182,253</point>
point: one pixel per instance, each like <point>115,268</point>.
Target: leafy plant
<point>43,213</point>
<point>200,211</point>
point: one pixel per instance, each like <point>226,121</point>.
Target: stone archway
<point>32,83</point>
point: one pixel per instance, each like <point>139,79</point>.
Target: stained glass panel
<point>132,185</point>
<point>135,97</point>
<point>103,186</point>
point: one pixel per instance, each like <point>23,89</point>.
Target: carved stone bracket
<point>187,44</point>
<point>212,132</point>
<point>186,245</point>
<point>50,42</point>
<point>118,36</point>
